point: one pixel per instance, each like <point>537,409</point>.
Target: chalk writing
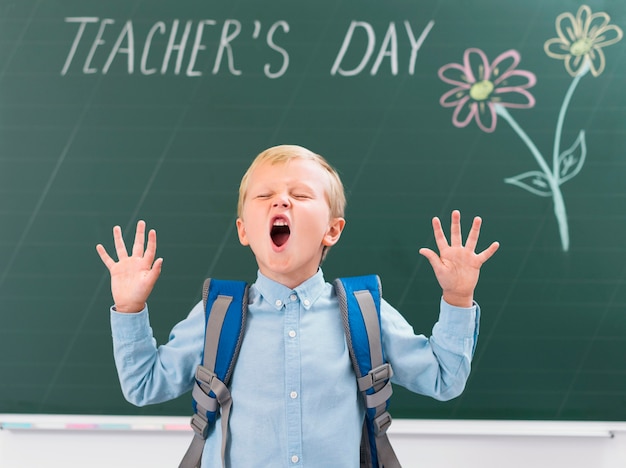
<point>179,47</point>
<point>152,55</point>
<point>388,48</point>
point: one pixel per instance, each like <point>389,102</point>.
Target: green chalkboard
<point>515,111</point>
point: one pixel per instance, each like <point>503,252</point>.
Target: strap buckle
<point>200,426</point>
<point>379,374</point>
<point>205,376</point>
<point>382,423</point>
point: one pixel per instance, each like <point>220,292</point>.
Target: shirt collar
<point>277,294</point>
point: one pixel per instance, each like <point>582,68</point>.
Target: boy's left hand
<point>457,266</point>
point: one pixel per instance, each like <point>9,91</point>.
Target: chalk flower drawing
<point>581,39</point>
<point>484,90</point>
<point>480,86</point>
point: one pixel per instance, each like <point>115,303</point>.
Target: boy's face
<point>286,220</point>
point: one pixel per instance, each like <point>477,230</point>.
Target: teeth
<point>280,222</point>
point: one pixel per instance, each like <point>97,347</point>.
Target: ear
<point>335,227</point>
<point>241,232</point>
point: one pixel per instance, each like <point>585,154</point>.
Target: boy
<point>294,393</point>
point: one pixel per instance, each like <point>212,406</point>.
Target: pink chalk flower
<point>480,86</point>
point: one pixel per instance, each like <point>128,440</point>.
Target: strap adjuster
<point>382,423</point>
<point>200,426</point>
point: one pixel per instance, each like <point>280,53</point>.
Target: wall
<point>160,442</point>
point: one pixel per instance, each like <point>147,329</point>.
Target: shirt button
<point>279,302</point>
<point>293,297</point>
<point>293,395</point>
<point>295,459</point>
<point>292,333</point>
<point>307,302</point>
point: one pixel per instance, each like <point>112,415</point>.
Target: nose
<point>281,200</point>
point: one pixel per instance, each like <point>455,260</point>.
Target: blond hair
<point>283,154</point>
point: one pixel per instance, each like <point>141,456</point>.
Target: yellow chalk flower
<point>581,39</point>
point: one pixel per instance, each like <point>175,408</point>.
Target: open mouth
<point>280,232</point>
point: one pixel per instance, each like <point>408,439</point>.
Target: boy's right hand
<point>132,278</point>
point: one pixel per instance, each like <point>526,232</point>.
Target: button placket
<point>292,311</point>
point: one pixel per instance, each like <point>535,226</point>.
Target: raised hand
<point>457,266</point>
<point>134,276</point>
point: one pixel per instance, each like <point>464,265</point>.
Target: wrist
<point>457,300</point>
<point>128,308</point>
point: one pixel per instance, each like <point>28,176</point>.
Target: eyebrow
<point>302,186</point>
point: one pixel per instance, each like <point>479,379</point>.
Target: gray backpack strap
<point>359,302</point>
<point>226,305</point>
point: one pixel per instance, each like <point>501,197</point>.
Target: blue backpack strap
<point>226,305</point>
<point>359,301</point>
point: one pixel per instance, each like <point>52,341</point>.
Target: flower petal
<point>556,48</point>
<point>596,61</point>
<point>516,98</point>
<point>453,97</point>
<point>504,64</point>
<point>486,116</point>
<point>568,28</point>
<point>464,112</point>
<point>454,74</point>
<point>518,79</point>
<point>574,64</point>
<point>584,18</point>
<point>476,64</point>
<point>608,36</point>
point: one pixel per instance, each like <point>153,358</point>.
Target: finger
<point>120,247</point>
<point>150,247</point>
<point>104,256</point>
<point>431,256</point>
<point>440,237</point>
<point>472,237</point>
<point>140,234</point>
<point>488,252</point>
<point>455,229</point>
<point>154,273</point>
<point>156,269</point>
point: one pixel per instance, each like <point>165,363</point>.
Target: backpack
<point>226,307</point>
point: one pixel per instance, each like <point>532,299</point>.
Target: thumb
<point>431,256</point>
<point>155,271</point>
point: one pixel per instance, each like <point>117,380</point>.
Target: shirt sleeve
<point>436,366</point>
<point>153,374</point>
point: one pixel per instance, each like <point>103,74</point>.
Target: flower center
<point>481,90</point>
<point>581,47</point>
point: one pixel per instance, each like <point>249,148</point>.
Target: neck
<point>290,281</point>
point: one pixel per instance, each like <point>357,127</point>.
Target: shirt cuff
<point>460,321</point>
<point>133,327</point>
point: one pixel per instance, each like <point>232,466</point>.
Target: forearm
<point>149,374</point>
<point>437,366</point>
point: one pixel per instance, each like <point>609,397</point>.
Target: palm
<point>134,276</point>
<point>457,267</point>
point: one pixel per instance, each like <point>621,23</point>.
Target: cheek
<point>320,224</point>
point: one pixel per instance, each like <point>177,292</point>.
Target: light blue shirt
<point>295,399</point>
